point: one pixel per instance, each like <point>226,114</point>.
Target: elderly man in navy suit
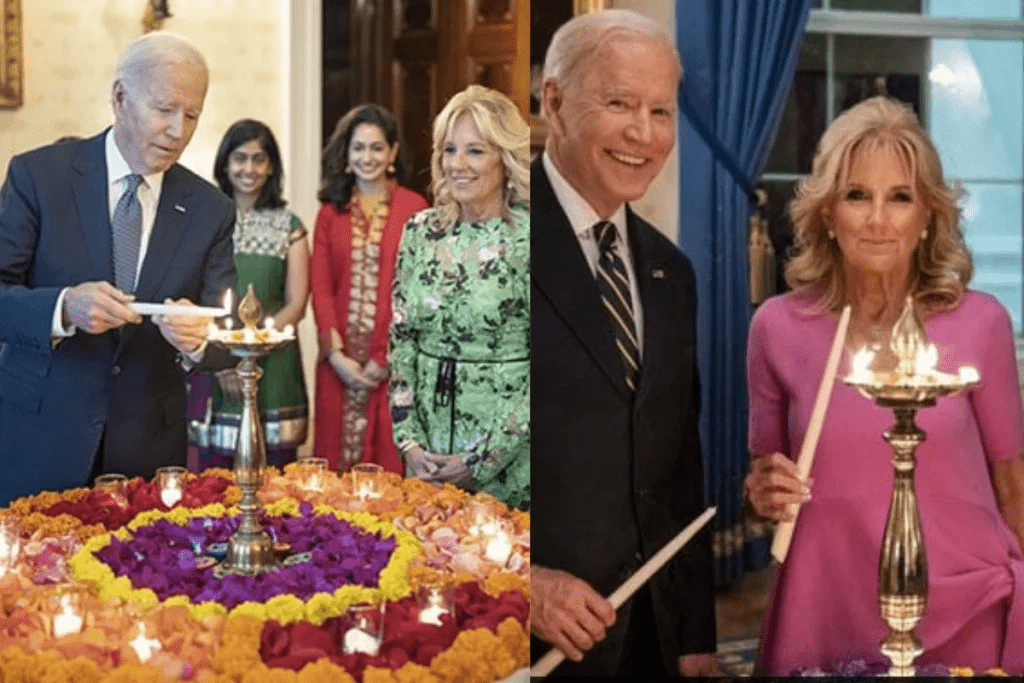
<point>86,228</point>
<point>615,449</point>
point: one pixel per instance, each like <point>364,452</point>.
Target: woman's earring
<point>391,169</point>
<point>831,234</point>
<point>508,183</point>
<point>924,234</point>
<point>348,169</point>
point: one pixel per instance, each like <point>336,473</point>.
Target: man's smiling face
<point>615,123</point>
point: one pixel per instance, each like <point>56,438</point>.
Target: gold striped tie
<point>616,299</point>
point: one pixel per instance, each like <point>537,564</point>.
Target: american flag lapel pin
<point>658,273</point>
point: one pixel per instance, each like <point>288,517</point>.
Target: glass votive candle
<point>116,485</point>
<point>10,544</point>
<point>170,482</point>
<point>313,473</point>
<point>433,600</point>
<point>366,480</point>
<point>481,519</point>
<point>366,628</point>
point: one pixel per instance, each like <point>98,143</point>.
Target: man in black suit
<point>86,228</point>
<point>615,448</point>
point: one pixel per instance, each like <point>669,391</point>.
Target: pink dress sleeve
<point>997,401</point>
<point>769,402</point>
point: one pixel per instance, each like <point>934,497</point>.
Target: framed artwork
<point>11,71</point>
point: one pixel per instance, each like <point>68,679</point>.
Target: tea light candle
<point>249,335</point>
<point>431,614</point>
<point>498,548</point>
<point>171,493</point>
<point>268,323</point>
<point>289,330</point>
<point>358,640</point>
<point>144,647</point>
<point>67,622</point>
<point>367,491</point>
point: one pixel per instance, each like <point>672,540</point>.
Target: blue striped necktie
<point>616,299</point>
<point>126,225</point>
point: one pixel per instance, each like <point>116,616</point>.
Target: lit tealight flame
<point>861,365</point>
<point>927,358</point>
<point>288,330</point>
<point>268,323</point>
<point>969,375</point>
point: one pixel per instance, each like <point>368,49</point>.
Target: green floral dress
<point>262,239</point>
<point>460,347</point>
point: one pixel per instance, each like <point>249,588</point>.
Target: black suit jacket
<point>125,385</point>
<point>615,478</point>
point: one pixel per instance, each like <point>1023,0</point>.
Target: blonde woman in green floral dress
<point>460,356</point>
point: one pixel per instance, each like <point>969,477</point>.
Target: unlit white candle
<point>178,310</point>
<point>546,664</point>
<point>784,531</point>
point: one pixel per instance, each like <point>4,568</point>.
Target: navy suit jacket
<point>126,385</point>
<point>615,477</point>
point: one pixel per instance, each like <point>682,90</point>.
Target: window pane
<point>913,6</point>
<point>973,9</point>
<point>869,65</point>
<point>993,222</point>
<point>803,119</point>
<point>977,115</point>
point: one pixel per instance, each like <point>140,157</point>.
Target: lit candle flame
<point>268,323</point>
<point>211,329</point>
<point>969,375</point>
<point>927,358</point>
<point>227,301</point>
<point>288,330</point>
<point>861,365</point>
<point>144,647</point>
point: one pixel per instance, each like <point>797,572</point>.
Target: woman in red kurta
<point>354,247</point>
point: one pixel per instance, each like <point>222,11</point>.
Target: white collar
<point>117,167</point>
<point>580,213</point>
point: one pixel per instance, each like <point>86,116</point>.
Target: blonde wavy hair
<point>501,126</point>
<point>941,266</point>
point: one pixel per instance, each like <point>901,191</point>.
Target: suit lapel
<point>655,299</point>
<point>168,229</point>
<point>560,271</point>
<point>90,191</point>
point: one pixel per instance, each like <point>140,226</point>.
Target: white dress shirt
<point>117,181</point>
<point>582,218</point>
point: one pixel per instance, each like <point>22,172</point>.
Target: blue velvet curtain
<point>739,58</point>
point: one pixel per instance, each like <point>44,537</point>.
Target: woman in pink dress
<point>876,222</point>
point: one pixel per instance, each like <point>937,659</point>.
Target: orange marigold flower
<point>411,672</point>
<point>515,639</point>
<point>373,674</point>
<point>262,674</point>
<point>498,582</point>
<point>134,673</point>
<point>77,670</point>
<point>324,671</point>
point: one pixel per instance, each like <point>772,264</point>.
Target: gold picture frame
<point>11,65</point>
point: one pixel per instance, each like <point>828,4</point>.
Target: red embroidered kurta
<point>330,286</point>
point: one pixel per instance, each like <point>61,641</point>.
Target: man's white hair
<point>581,36</point>
<point>151,49</point>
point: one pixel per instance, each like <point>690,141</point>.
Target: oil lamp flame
<point>907,339</point>
<point>927,359</point>
<point>861,365</point>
